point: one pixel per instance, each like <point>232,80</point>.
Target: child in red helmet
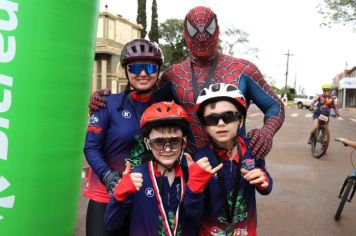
<point>151,195</point>
<point>225,204</point>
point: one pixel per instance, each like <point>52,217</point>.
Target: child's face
<point>222,133</point>
<point>166,144</point>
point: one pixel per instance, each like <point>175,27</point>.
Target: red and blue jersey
<point>154,208</point>
<point>324,105</point>
<point>207,208</point>
<point>113,136</point>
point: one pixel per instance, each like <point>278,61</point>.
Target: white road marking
<point>254,114</point>
<point>294,115</point>
<point>340,118</point>
<point>308,115</point>
<point>354,120</point>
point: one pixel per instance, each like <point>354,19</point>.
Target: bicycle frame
<point>344,194</point>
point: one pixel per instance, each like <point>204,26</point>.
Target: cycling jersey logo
<point>248,164</point>
<point>5,202</point>
<point>93,119</point>
<point>126,114</point>
<point>149,192</point>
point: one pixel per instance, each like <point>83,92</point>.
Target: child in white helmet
<point>224,204</point>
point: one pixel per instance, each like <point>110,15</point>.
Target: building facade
<point>113,33</point>
<point>345,84</point>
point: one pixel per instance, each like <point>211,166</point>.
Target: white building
<point>345,84</point>
<point>113,33</point>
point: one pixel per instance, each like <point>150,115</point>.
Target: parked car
<point>303,102</point>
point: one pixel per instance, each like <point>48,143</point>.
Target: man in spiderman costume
<point>205,66</point>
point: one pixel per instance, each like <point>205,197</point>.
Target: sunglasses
<point>137,68</point>
<point>227,117</point>
<point>160,144</point>
<point>326,90</point>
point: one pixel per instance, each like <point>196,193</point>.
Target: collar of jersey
<point>178,170</point>
<point>138,98</point>
<point>223,153</point>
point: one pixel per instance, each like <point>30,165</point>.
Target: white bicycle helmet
<point>219,92</point>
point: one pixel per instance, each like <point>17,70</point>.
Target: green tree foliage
<point>141,16</point>
<point>338,11</point>
<point>153,34</point>
<point>290,93</point>
<point>172,41</point>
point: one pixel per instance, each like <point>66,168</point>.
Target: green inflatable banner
<point>46,60</point>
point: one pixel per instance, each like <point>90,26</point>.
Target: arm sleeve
<point>118,213</point>
<point>194,201</point>
<point>265,99</point>
<point>315,99</point>
<point>194,205</point>
<point>94,142</point>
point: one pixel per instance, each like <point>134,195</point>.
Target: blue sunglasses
<point>137,68</point>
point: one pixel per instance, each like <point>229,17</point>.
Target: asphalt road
<point>304,196</point>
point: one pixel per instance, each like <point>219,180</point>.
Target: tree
<point>153,34</point>
<point>234,36</point>
<point>173,46</point>
<point>141,16</point>
<point>338,11</point>
<point>290,93</point>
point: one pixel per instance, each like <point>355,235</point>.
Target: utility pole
<point>285,98</point>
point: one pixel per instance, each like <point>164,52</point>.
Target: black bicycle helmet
<point>141,49</point>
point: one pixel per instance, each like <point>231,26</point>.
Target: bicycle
<point>320,141</point>
<point>350,182</point>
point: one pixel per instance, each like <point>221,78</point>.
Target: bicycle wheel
<point>320,142</point>
<point>349,185</point>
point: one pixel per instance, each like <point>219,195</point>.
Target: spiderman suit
<point>206,65</point>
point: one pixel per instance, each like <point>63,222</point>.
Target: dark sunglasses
<point>160,144</point>
<point>137,68</point>
<point>326,90</point>
<point>227,117</point>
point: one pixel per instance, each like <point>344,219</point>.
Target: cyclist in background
<point>323,103</point>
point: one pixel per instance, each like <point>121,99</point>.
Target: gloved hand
<point>97,101</point>
<point>261,142</point>
<point>200,173</point>
<point>110,180</point>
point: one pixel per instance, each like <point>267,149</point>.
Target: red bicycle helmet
<point>219,92</point>
<point>164,113</point>
<point>141,49</point>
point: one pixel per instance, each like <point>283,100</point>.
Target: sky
<point>274,27</point>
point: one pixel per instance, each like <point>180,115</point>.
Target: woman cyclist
<point>113,133</point>
<point>324,103</point>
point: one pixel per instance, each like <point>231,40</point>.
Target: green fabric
<point>46,60</point>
